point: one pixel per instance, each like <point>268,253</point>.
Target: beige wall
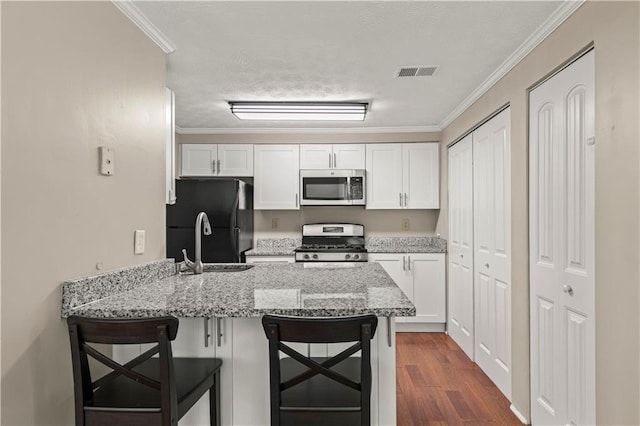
<point>376,222</point>
<point>614,28</point>
<point>75,76</point>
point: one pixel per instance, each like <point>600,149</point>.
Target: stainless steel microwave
<point>332,187</point>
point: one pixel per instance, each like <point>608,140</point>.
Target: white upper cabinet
<point>277,177</point>
<point>384,176</point>
<point>403,176</point>
<point>217,160</point>
<point>339,156</point>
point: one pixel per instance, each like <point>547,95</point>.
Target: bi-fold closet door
<point>562,246</point>
<point>479,314</point>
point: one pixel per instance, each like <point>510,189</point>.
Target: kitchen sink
<point>238,267</point>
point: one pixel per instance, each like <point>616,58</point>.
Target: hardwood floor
<point>437,384</point>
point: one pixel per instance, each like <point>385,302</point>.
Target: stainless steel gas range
<point>332,242</point>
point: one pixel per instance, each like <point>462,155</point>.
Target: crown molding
<point>137,17</point>
<point>543,31</point>
<point>327,130</point>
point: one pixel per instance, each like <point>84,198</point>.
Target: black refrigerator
<point>229,205</point>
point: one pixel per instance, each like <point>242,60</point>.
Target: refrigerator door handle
<point>234,227</point>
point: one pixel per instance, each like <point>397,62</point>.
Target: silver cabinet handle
<point>409,263</point>
<point>213,166</point>
<point>404,263</point>
<point>335,161</point>
<point>405,199</point>
<point>389,331</point>
<point>329,160</point>
<point>400,199</point>
<point>219,166</point>
<point>206,332</point>
<point>296,200</point>
<point>567,289</point>
<point>219,331</point>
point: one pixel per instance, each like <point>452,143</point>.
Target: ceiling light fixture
<point>330,111</point>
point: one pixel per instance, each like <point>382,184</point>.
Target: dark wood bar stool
<point>320,391</point>
<point>146,390</point>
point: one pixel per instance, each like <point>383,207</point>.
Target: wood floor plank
<point>437,384</point>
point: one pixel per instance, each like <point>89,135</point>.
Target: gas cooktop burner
<point>331,247</point>
<point>333,242</point>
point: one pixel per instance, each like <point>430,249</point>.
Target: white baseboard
<point>416,327</point>
<point>519,415</point>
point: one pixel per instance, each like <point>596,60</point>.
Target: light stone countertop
<point>406,245</point>
<point>285,246</point>
<point>284,289</point>
<point>274,247</point>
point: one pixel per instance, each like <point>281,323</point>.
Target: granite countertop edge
<point>149,290</point>
<point>286,246</point>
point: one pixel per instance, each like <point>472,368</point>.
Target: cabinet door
<point>384,176</point>
<point>199,159</point>
<point>396,266</point>
<point>276,184</point>
<point>427,272</point>
<point>420,175</point>
<point>316,157</point>
<point>349,156</point>
<point>235,160</point>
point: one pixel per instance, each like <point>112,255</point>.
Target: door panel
<point>492,248</point>
<point>316,156</point>
<point>561,188</point>
<point>199,159</point>
<point>460,321</point>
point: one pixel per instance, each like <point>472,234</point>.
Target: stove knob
<point>356,256</point>
<point>306,256</point>
<point>315,256</point>
<point>347,256</point>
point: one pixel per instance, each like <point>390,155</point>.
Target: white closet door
<point>561,239</point>
<point>460,292</point>
<point>492,249</point>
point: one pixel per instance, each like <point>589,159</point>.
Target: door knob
<point>567,289</point>
<point>486,265</point>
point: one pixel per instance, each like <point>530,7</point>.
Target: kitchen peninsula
<point>220,316</point>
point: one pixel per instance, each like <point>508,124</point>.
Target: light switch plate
<point>106,161</point>
<point>138,241</point>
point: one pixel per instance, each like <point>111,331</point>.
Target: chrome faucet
<point>196,265</point>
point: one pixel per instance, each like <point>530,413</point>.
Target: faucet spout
<point>202,226</point>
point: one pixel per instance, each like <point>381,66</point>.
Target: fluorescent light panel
<point>330,111</point>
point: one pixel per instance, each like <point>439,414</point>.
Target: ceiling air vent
<point>418,71</point>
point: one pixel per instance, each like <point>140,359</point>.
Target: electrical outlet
<point>405,224</point>
<point>275,222</point>
<point>138,241</point>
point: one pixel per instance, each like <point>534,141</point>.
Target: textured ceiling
<point>335,51</point>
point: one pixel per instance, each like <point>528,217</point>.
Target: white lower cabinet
<point>422,278</point>
<point>244,387</point>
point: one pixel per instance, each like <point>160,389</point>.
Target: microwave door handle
<point>349,190</point>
